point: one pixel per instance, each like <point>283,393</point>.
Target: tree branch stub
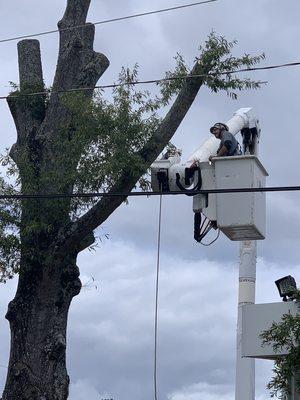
<point>28,112</point>
<point>30,65</point>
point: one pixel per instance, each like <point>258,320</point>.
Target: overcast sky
<point>110,333</point>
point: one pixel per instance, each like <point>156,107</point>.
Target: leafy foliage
<point>103,137</point>
<point>110,135</point>
<point>217,52</point>
<point>9,238</point>
<point>284,334</point>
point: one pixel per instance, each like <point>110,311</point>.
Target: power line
<point>115,85</point>
<point>107,21</point>
<point>148,193</point>
<point>172,78</point>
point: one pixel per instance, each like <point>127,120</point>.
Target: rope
<point>156,298</point>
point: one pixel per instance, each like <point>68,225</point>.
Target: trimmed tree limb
<point>78,64</point>
<point>31,78</point>
<point>30,64</point>
<point>28,113</point>
<point>161,137</point>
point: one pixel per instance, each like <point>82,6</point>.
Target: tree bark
<point>38,321</point>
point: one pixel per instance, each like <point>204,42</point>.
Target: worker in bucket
<point>229,146</point>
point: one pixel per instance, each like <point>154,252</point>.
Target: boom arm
<point>242,120</point>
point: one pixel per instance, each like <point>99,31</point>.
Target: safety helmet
<point>219,125</point>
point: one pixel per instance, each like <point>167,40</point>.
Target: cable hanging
<point>151,81</point>
<point>202,228</point>
<point>107,21</point>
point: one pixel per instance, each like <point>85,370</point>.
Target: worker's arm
<point>222,152</point>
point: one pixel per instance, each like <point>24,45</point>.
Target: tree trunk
<point>38,321</point>
<point>48,276</point>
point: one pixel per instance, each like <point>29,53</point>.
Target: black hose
<point>195,188</point>
<point>199,232</point>
<point>197,227</point>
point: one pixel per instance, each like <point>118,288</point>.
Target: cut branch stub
<point>28,112</point>
<point>30,64</point>
<point>78,65</point>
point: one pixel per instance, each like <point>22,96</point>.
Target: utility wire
<point>147,193</point>
<point>107,21</point>
<point>156,297</point>
<point>171,78</point>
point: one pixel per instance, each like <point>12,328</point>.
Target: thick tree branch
<point>31,78</point>
<point>78,65</point>
<point>28,113</point>
<point>75,14</point>
<point>160,138</point>
<point>30,64</point>
<point>86,242</point>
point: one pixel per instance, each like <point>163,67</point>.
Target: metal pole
<point>245,367</point>
<point>295,394</point>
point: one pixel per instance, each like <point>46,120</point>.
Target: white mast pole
<point>245,367</point>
